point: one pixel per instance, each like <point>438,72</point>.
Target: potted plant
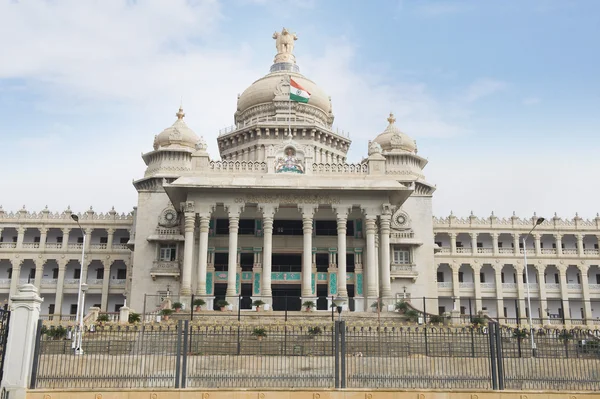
<point>177,306</point>
<point>258,303</point>
<point>377,306</point>
<point>436,319</point>
<point>314,331</point>
<point>222,304</point>
<point>259,333</point>
<point>102,318</point>
<point>401,307</point>
<point>165,313</point>
<point>134,318</point>
<point>309,305</point>
<point>198,303</point>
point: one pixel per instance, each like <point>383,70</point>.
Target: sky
<point>503,97</point>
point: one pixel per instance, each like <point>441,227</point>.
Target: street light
<point>537,223</point>
<point>78,348</point>
<point>338,302</point>
<point>76,345</point>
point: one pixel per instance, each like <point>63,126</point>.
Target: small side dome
<point>393,140</point>
<point>179,135</point>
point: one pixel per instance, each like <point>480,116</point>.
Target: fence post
<point>343,352</point>
<point>178,356</point>
<point>186,326</point>
<point>499,356</point>
<point>20,345</point>
<point>493,364</point>
<point>336,353</point>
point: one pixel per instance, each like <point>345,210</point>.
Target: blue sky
<point>503,98</point>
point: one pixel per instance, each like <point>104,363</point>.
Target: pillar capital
<point>43,230</point>
<point>66,231</point>
<point>190,221</point>
<point>268,210</point>
<point>234,210</point>
<point>558,236</point>
<point>342,211</point>
<point>473,235</point>
<point>307,210</point>
<point>110,231</point>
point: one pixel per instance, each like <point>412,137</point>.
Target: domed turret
<point>179,135</point>
<point>393,140</point>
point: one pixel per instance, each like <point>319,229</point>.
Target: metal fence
<point>353,354</point>
<point>4,323</point>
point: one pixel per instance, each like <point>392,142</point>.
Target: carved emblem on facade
<point>289,162</point>
<point>201,145</point>
<point>168,217</point>
<point>374,148</point>
<point>400,220</point>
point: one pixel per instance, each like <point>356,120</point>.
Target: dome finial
<point>180,114</point>
<point>391,118</point>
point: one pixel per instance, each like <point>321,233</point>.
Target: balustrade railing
<point>31,245</point>
<point>488,286</point>
<point>54,245</point>
<point>75,246</point>
<point>8,245</point>
<point>530,251</point>
<point>591,252</point>
<point>95,281</point>
<point>569,251</point>
<point>49,281</point>
<point>4,281</point>
<point>98,246</point>
<point>397,268</point>
<point>534,286</point>
<point>506,251</point>
<point>548,251</point>
<point>117,281</point>
<point>444,250</point>
<point>574,287</point>
<point>466,285</point>
<point>25,281</point>
<point>485,250</point>
<point>509,286</point>
<point>444,284</point>
<point>463,251</point>
<point>238,166</point>
<point>71,281</point>
<point>324,168</point>
<point>120,246</point>
<point>553,286</point>
<point>404,234</point>
<point>594,287</point>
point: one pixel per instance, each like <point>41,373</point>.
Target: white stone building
<point>283,218</point>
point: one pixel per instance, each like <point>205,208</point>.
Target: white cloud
<point>531,101</point>
<point>483,88</point>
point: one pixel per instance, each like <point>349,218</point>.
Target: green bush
<point>520,334</point>
<point>412,315</point>
<point>166,312</point>
<point>314,330</point>
<point>222,303</point>
<point>177,305</point>
<point>134,318</point>
<point>258,303</point>
<point>102,317</point>
<point>308,304</point>
<point>479,321</point>
<point>199,302</point>
<point>376,303</point>
<point>436,319</point>
<point>259,332</point>
<point>402,306</point>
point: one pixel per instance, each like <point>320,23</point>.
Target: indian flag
<point>298,93</point>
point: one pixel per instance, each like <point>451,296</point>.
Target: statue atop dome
<point>284,42</point>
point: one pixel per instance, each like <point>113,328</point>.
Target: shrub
<point>377,303</point>
<point>479,321</point>
<point>177,305</point>
<point>56,333</point>
<point>402,306</point>
<point>102,317</point>
<point>308,304</point>
<point>412,315</point>
<point>166,312</point>
<point>222,303</point>
<point>258,303</point>
<point>314,330</point>
<point>134,318</point>
<point>436,319</point>
<point>259,332</point>
<point>520,334</point>
<point>199,302</point>
<point>565,336</point>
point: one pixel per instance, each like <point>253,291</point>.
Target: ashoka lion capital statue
<point>284,42</point>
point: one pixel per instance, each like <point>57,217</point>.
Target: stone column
<point>495,247</point>
<point>88,241</point>
<point>16,275</point>
<point>234,224</point>
<point>268,217</point>
<point>452,243</point>
<point>537,240</point>
<point>110,238</point>
<point>455,282</point>
<point>43,238</point>
<point>580,250</point>
<point>342,220</point>
<point>105,286</point>
<point>20,346</point>
<point>499,292</point>
<point>564,294</point>
<point>542,287</point>
<point>521,294</point>
<point>372,283</point>
<point>60,283</point>
<point>307,228</point>
<point>20,236</point>
<point>384,240</point>
<point>39,272</point>
<point>516,244</point>
<point>65,239</point>
<point>474,243</point>
<point>203,254</point>
<point>585,291</point>
<point>558,238</point>
<point>477,286</point>
<point>188,254</point>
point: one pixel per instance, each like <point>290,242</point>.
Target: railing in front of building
<point>59,246</point>
<point>329,354</point>
<point>511,251</point>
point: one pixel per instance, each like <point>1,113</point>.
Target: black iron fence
<point>319,354</point>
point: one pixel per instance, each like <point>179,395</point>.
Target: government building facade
<point>282,217</point>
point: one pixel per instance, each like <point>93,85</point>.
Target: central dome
<point>269,96</point>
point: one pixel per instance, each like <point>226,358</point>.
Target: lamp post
<point>339,302</point>
<point>78,348</point>
<point>76,345</point>
<point>537,223</point>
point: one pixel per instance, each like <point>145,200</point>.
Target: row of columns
<point>521,289</point>
<point>516,241</point>
<point>65,241</point>
<point>62,267</point>
<point>307,212</point>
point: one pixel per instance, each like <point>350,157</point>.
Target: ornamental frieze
<point>288,199</point>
